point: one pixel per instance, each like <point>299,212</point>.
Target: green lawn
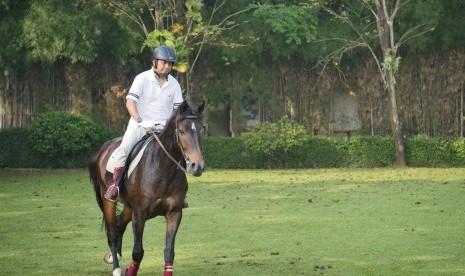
<point>244,222</point>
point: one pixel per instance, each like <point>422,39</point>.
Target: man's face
<point>162,67</point>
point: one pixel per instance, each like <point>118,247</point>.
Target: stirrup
<point>108,197</point>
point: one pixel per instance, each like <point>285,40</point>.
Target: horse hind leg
<point>122,221</point>
<point>109,215</point>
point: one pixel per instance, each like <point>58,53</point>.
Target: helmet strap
<point>158,75</point>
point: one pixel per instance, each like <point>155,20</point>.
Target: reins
<point>177,141</point>
<point>167,153</point>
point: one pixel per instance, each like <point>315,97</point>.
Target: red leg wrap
<point>133,268</point>
<point>168,269</point>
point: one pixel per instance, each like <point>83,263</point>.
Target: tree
<point>65,33</point>
<point>368,19</point>
<point>180,24</point>
<point>269,35</point>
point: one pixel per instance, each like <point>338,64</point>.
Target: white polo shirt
<point>155,103</point>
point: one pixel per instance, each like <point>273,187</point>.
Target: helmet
<point>165,53</point>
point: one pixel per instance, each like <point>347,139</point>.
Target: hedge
<point>330,152</point>
<point>54,140</point>
<point>17,150</point>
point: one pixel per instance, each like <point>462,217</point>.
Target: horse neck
<point>169,141</point>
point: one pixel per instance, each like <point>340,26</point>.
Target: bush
<point>371,151</point>
<point>458,146</point>
<point>15,149</point>
<point>225,153</point>
<point>324,152</point>
<point>30,147</point>
<point>423,151</point>
<point>66,138</point>
<point>271,138</point>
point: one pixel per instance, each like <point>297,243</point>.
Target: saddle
<point>136,153</point>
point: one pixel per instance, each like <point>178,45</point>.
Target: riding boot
<point>112,192</point>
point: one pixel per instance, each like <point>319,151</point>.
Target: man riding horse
<point>153,96</point>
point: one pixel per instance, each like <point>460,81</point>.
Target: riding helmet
<point>165,53</point>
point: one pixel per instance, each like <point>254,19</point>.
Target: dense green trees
<point>237,51</point>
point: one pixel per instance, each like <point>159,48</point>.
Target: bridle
<point>178,142</point>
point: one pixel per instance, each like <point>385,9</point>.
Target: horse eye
<point>182,132</point>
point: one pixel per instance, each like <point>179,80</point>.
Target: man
<point>150,102</point>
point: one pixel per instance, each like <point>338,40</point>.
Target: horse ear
<point>201,107</point>
<point>183,107</point>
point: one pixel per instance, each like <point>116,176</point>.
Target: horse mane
<point>184,110</point>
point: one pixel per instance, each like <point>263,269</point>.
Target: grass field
<point>287,222</point>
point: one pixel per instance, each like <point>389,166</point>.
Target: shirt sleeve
<point>136,89</point>
<point>178,99</point>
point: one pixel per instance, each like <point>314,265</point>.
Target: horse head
<point>189,130</point>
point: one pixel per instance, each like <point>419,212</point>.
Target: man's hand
<point>145,124</point>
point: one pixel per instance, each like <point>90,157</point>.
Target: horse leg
<point>138,224</point>
<point>122,221</point>
<point>173,220</point>
<point>109,215</point>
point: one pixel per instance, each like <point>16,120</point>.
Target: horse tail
<point>94,177</point>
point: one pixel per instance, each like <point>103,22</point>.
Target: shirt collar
<point>152,77</point>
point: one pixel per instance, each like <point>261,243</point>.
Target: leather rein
<point>177,141</point>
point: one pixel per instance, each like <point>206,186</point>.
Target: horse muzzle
<point>196,168</point>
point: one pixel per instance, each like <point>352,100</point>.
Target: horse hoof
<point>117,272</point>
<point>108,258</point>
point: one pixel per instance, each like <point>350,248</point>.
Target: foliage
<point>371,151</point>
<point>445,19</point>
<point>330,152</point>
<point>425,151</point>
<point>165,37</point>
<point>458,147</point>
<point>285,29</point>
<point>12,53</point>
<point>226,152</point>
<point>15,149</point>
<point>65,32</point>
<point>391,64</point>
<point>65,137</point>
<point>295,23</point>
<point>270,138</point>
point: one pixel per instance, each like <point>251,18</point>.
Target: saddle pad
<point>136,160</point>
<point>111,166</point>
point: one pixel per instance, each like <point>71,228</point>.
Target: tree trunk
<point>385,22</point>
<point>396,126</point>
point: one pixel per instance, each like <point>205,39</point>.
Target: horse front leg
<point>173,220</point>
<point>138,224</point>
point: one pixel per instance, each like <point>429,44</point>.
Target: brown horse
<point>157,186</point>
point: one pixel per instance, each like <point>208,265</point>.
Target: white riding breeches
<point>132,135</point>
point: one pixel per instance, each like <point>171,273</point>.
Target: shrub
<point>273,143</point>
<point>371,151</point>
<point>423,151</point>
<point>15,149</point>
<point>324,152</point>
<point>269,138</point>
<point>458,146</point>
<point>67,138</point>
<point>225,153</point>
